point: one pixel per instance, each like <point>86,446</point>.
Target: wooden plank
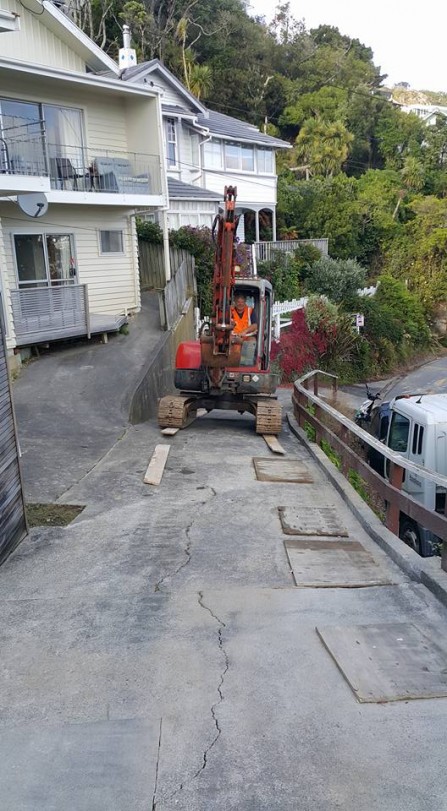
<point>154,472</point>
<point>311,521</point>
<point>333,564</point>
<point>389,662</point>
<point>273,443</point>
<point>282,470</point>
<point>170,431</point>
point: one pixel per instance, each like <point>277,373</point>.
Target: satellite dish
<point>33,205</point>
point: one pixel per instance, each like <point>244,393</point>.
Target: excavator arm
<point>219,347</point>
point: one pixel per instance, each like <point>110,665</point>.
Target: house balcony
<point>44,314</point>
<point>77,174</point>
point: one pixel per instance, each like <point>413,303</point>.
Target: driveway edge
<point>424,570</point>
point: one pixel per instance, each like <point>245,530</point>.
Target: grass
<point>52,515</point>
<point>330,453</point>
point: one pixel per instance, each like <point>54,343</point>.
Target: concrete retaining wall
<point>158,377</point>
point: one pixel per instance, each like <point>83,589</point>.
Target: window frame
<point>264,151</point>
<point>171,122</point>
<point>47,282</point>
<point>218,148</point>
<point>395,418</point>
<point>240,157</point>
<point>102,231</point>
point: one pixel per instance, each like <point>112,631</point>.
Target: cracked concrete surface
<point>155,653</point>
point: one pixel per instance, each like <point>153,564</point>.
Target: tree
<point>418,254</point>
<point>399,135</point>
<point>324,147</point>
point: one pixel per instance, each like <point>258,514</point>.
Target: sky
<point>407,36</point>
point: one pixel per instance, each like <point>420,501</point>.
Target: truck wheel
<point>409,534</point>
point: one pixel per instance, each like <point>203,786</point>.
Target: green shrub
<point>282,273</point>
<point>150,232</point>
<point>338,279</point>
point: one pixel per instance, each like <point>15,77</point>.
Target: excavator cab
<point>259,297</point>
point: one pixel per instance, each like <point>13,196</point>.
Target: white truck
<point>415,426</point>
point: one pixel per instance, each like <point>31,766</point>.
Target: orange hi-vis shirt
<point>241,322</point>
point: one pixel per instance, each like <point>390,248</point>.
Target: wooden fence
<point>177,291</point>
<point>152,265</point>
<point>339,432</point>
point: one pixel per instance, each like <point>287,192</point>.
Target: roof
<point>215,123</point>
<point>92,80</point>
<point>177,190</point>
<point>141,72</point>
<point>428,408</point>
<point>220,124</point>
<point>58,22</point>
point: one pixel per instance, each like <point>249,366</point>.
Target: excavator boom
<point>219,348</point>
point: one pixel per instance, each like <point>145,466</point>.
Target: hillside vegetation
<point>361,172</point>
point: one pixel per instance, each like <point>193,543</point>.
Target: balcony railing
<point>78,168</point>
<point>49,313</point>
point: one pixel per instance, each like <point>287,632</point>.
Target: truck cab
<point>417,431</point>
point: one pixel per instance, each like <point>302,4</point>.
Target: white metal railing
<point>263,251</point>
<point>49,313</point>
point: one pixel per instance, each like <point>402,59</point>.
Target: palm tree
<point>323,146</point>
<point>200,80</point>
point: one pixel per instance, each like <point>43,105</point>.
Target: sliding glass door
<point>45,260</point>
<point>22,133</point>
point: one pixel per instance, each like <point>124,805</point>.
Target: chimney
<point>127,55</point>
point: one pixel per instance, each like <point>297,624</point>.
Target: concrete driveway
<point>157,654</point>
<point>72,403</point>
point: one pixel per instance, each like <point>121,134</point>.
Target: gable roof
<point>140,73</point>
<point>177,190</point>
<point>234,128</point>
<point>56,21</point>
<point>215,123</point>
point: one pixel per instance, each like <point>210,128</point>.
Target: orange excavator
<point>224,369</point>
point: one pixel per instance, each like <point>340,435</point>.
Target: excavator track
<point>268,417</point>
<point>175,412</point>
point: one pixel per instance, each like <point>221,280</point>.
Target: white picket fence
<point>282,310</point>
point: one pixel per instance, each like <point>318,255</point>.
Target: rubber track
<point>173,412</point>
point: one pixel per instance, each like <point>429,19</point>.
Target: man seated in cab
<point>245,325</point>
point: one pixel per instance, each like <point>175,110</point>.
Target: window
<point>44,259</point>
<point>171,142</point>
<point>213,155</point>
<point>195,157</point>
<point>239,157</point>
<point>265,161</point>
<point>418,436</point>
<point>111,241</point>
<point>248,159</point>
<point>400,427</point>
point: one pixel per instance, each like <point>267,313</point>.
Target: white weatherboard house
<point>429,113</point>
<point>93,145</point>
<point>206,151</point>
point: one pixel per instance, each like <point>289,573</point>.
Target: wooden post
<point>344,436</point>
<point>444,544</point>
<point>316,385</point>
<point>318,417</point>
<point>392,515</point>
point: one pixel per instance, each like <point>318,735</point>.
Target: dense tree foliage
<point>360,171</point>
